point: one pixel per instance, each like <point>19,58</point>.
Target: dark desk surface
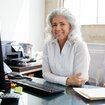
<point>69,97</point>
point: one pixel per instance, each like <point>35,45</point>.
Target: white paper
<point>91,93</point>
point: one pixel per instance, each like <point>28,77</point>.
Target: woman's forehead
<point>59,18</point>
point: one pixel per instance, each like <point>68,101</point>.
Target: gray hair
<point>75,28</point>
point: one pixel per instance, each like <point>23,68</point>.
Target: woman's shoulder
<point>50,42</point>
<point>80,44</point>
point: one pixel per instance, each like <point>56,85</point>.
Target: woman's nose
<point>58,27</point>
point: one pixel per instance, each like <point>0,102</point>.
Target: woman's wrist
<point>68,81</point>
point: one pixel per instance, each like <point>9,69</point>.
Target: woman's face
<point>60,27</point>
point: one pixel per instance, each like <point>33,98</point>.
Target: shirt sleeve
<point>47,74</point>
<point>81,60</point>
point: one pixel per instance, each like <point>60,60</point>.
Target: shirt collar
<point>54,41</point>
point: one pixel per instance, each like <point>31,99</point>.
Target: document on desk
<point>91,93</point>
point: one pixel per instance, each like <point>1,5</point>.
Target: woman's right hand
<point>75,80</point>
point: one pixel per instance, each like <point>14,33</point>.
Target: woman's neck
<point>61,43</point>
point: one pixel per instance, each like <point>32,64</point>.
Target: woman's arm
<point>47,74</point>
<point>82,60</point>
<point>81,65</point>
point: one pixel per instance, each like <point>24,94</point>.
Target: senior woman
<point>66,57</point>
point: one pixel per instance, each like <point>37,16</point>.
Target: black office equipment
<point>10,96</point>
<point>2,74</point>
<point>19,61</point>
<point>3,83</point>
<point>15,75</point>
<point>48,88</point>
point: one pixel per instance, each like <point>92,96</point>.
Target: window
<point>87,11</point>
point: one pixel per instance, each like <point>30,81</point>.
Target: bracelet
<point>67,81</point>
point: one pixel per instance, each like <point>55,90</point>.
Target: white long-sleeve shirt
<point>73,59</point>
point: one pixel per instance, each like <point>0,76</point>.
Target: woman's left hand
<point>75,80</point>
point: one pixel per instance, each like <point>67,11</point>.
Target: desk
<point>69,97</point>
<point>29,68</point>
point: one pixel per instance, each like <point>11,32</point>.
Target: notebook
<point>91,93</point>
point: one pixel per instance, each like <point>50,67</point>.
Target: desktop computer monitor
<point>2,74</point>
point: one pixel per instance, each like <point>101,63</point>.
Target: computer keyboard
<point>9,96</point>
<point>45,87</point>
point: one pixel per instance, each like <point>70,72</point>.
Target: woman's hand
<point>75,80</point>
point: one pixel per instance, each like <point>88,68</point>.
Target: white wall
<point>23,21</point>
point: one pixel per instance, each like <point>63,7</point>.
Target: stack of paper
<point>91,93</point>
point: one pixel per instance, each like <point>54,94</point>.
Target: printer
<point>16,54</point>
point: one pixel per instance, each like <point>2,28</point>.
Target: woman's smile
<point>60,27</point>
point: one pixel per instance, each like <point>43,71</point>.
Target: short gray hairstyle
<point>75,28</point>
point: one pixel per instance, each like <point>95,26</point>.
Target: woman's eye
<point>62,24</point>
<point>54,25</point>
